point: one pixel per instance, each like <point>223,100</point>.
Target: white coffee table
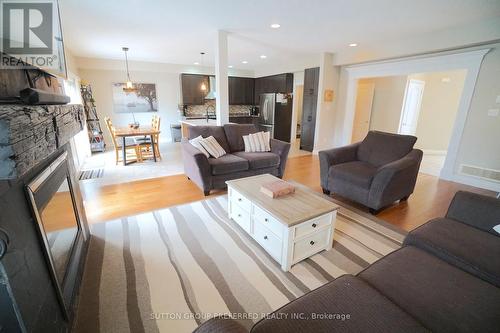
<point>290,228</point>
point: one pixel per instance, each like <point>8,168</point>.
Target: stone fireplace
<point>44,234</point>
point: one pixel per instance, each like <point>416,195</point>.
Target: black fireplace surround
<point>38,289</point>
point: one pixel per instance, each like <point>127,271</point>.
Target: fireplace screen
<point>51,195</point>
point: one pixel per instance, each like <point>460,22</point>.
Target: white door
<point>364,100</point>
<point>411,107</point>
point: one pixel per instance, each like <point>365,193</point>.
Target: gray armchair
<point>381,169</point>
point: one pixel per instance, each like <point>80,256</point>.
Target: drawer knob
<point>239,199</point>
<point>314,225</point>
<point>311,242</point>
<point>239,215</point>
<point>266,220</point>
<point>265,237</point>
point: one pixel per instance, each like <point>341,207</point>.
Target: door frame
<point>444,61</point>
<point>419,106</point>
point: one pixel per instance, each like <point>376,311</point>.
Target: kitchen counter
<point>186,123</point>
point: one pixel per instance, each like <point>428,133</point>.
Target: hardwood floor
<point>429,200</point>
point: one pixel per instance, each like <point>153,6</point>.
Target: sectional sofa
<point>445,278</point>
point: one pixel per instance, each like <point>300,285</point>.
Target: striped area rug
<point>172,269</point>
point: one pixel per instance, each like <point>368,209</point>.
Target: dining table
<point>146,131</point>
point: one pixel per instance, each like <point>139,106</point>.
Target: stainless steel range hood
<point>211,93</point>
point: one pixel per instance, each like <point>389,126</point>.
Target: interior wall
<point>102,73</point>
<point>298,81</point>
<point>480,143</point>
<point>438,109</point>
<point>387,102</point>
<point>167,91</point>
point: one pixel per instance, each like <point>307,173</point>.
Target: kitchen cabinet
<point>243,119</point>
<point>309,103</point>
<point>191,89</point>
<point>241,90</point>
<point>281,83</point>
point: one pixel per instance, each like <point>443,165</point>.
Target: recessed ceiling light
<point>263,56</point>
<point>230,66</point>
<point>353,44</point>
<point>244,62</point>
<point>196,63</point>
<point>275,25</point>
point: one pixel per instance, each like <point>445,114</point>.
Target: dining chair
<point>132,149</point>
<point>145,142</point>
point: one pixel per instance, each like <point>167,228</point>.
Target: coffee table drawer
<point>240,200</point>
<point>313,225</point>
<point>269,241</point>
<point>241,217</point>
<point>312,244</point>
<point>263,217</point>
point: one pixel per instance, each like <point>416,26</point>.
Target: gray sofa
<point>375,172</point>
<point>212,173</point>
<point>445,278</point>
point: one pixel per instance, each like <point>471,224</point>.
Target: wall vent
<point>480,172</point>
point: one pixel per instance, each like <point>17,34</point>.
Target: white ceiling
<point>176,31</point>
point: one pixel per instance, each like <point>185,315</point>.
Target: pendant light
<point>129,86</point>
<point>203,86</point>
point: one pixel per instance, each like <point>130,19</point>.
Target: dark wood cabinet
<point>192,94</point>
<point>281,83</point>
<point>243,120</point>
<point>241,90</point>
<point>310,101</point>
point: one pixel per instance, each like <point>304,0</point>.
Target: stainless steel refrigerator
<point>275,116</point>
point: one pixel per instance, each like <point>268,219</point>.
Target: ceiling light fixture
<point>353,44</point>
<point>196,63</point>
<point>230,66</point>
<point>275,25</point>
<point>129,86</point>
<point>203,86</point>
<point>263,56</point>
<point>244,62</point>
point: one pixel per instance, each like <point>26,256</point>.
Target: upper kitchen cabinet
<point>241,90</point>
<point>281,83</point>
<point>192,94</point>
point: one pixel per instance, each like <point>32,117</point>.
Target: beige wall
<point>480,143</point>
<point>102,73</point>
<point>167,91</point>
<point>438,109</point>
<point>387,102</point>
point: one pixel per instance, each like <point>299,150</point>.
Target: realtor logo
<point>27,28</point>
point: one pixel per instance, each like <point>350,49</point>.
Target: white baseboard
<point>475,181</point>
<point>434,152</point>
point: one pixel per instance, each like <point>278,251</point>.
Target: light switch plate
<point>493,112</point>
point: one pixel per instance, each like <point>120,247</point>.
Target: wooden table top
<point>291,209</point>
<point>143,130</point>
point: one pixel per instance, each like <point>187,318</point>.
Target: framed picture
<point>143,99</point>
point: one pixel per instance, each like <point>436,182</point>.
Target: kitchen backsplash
<point>201,110</point>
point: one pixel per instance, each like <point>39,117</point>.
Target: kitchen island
<point>186,123</point>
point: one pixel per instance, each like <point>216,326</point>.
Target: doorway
<point>411,107</point>
<point>363,113</point>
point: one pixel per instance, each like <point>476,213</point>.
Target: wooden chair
<point>132,149</point>
<point>146,149</point>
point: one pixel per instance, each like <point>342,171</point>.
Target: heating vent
<point>91,174</point>
<point>480,172</point>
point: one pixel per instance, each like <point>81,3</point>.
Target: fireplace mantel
<point>29,134</point>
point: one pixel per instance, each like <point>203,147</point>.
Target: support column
<point>222,85</point>
<point>325,112</point>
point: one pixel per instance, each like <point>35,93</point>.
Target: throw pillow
<point>257,142</point>
<point>196,142</point>
<point>213,147</point>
